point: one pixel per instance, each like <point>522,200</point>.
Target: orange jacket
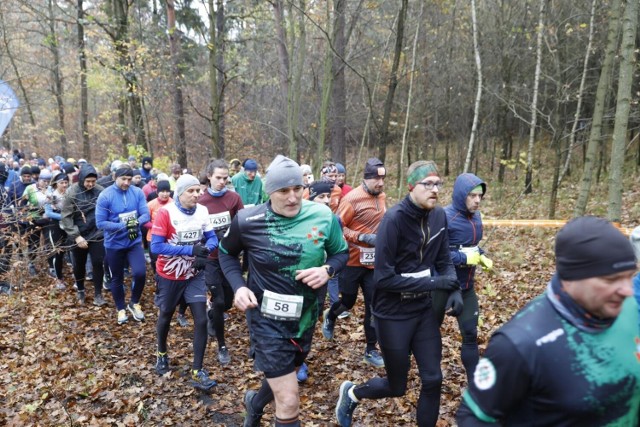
<point>360,213</point>
<point>154,206</point>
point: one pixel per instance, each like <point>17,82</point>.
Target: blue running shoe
<point>303,373</point>
<point>346,405</point>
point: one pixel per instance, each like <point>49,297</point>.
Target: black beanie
<point>35,170</point>
<point>592,247</point>
<point>163,186</point>
<point>147,160</point>
<point>124,171</point>
<point>26,170</point>
<point>319,187</point>
<point>374,169</point>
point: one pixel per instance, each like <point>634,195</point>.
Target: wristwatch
<point>330,270</point>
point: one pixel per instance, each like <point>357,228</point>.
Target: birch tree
<point>534,102</point>
<point>476,108</point>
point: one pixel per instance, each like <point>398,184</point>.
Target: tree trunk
<point>57,79</point>
<point>120,10</point>
<point>476,109</point>
<point>528,186</point>
<point>283,74</point>
<point>295,92</point>
<point>217,149</point>
<point>178,102</point>
<point>623,104</point>
<point>339,92</point>
<point>84,90</point>
<point>595,136</point>
<point>585,71</point>
<point>393,83</point>
<point>402,156</point>
<point>222,80</point>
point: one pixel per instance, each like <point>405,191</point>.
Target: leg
<point>367,285</point>
<point>468,323</point>
<point>138,266</point>
<point>427,349</point>
<point>78,261</point>
<point>115,260</point>
<point>199,312</point>
<point>97,255</point>
<point>285,393</point>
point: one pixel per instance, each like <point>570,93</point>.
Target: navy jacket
<point>465,228</point>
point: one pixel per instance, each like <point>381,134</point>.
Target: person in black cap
<point>572,355</point>
<point>145,170</point>
<point>120,209</point>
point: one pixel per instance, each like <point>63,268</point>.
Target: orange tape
<point>543,223</point>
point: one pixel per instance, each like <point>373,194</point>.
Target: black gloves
<point>454,304</point>
<point>199,263</point>
<point>200,251</point>
<point>132,228</point>
<point>443,283</point>
<point>369,239</point>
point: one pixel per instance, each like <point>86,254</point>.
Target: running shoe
<point>89,277</point>
<point>122,317</point>
<point>344,315</point>
<point>99,301</point>
<point>346,405</point>
<point>201,380</point>
<point>136,311</point>
<point>81,297</point>
<point>373,358</point>
<point>52,272</point>
<point>162,364</point>
<point>32,270</point>
<point>327,325</point>
<point>223,356</point>
<point>182,320</point>
<point>105,283</point>
<point>60,286</point>
<point>252,418</point>
<point>303,373</point>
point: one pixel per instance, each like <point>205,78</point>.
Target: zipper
<point>425,238</point>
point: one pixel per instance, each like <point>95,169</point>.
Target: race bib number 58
<point>281,307</point>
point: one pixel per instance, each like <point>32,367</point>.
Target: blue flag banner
<point>8,105</point>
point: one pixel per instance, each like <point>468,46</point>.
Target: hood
<point>462,187</point>
<point>85,171</point>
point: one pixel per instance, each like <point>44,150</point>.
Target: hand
<point>81,242</point>
<point>369,239</point>
<point>313,277</point>
<point>472,255</point>
<point>245,299</point>
<point>443,283</point>
<point>486,263</point>
<point>200,250</point>
<point>454,304</point>
<point>132,228</point>
<point>199,263</point>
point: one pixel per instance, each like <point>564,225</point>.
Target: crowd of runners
<point>292,252</point>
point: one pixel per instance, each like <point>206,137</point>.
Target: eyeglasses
<point>430,184</point>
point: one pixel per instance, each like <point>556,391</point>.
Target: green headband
<point>423,170</point>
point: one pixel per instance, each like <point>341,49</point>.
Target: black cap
<point>26,170</point>
<point>319,187</point>
<point>592,247</point>
<point>163,186</point>
<point>374,169</point>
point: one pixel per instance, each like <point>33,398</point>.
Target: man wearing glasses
<point>412,260</point>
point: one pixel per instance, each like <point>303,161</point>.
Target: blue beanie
<point>250,165</point>
<point>341,168</point>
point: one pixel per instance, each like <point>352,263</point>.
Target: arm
<point>66,217</point>
<point>102,215</point>
<point>500,384</point>
<point>50,213</point>
<point>228,251</point>
<point>211,240</point>
<point>143,210</point>
<point>346,214</point>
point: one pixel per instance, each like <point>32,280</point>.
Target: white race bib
<point>367,255</point>
<point>189,237</point>
<point>220,220</point>
<point>126,216</point>
<point>418,274</point>
<point>281,307</point>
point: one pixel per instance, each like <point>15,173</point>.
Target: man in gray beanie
<point>286,241</point>
<point>571,356</point>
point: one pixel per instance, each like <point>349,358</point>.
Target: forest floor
<point>69,365</point>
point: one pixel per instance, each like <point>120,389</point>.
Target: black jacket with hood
<point>78,211</point>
